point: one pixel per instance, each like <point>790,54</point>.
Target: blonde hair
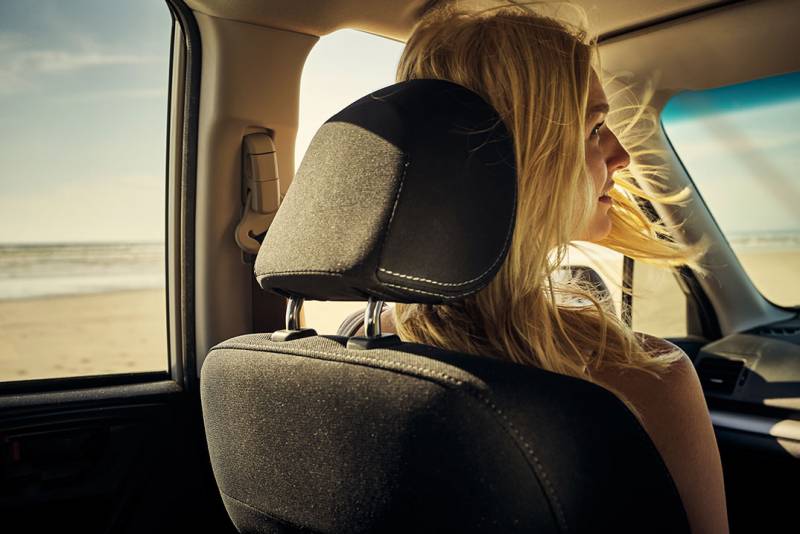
<point>535,71</point>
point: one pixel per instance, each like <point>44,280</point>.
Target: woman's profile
<point>541,76</point>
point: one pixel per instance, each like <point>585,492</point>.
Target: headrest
<point>406,195</point>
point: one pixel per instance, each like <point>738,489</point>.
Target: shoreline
<point>56,296</point>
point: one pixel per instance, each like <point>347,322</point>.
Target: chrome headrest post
<point>372,318</point>
<point>373,338</point>
<point>293,313</point>
<point>293,330</point>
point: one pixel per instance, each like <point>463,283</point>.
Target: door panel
<point>119,465</point>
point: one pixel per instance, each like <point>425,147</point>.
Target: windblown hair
<point>536,71</point>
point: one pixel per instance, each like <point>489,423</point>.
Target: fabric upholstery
<point>406,195</point>
<point>307,435</point>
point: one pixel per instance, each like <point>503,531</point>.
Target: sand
<point>775,272</point>
<point>83,335</point>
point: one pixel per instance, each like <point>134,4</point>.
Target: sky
<point>341,68</point>
<point>741,145</point>
<point>83,110</point>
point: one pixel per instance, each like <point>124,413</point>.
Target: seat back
<point>310,435</point>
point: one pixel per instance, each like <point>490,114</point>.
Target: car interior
<point>276,413</point>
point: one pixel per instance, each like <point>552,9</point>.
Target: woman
<point>539,75</point>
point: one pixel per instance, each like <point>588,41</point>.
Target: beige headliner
<point>394,18</point>
<point>699,50</point>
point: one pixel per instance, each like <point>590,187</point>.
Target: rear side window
<point>83,117</point>
<point>741,146</point>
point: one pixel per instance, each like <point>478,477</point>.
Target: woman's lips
<point>606,199</point>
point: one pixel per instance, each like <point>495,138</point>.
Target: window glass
<point>83,115</point>
<point>605,262</point>
<point>341,68</point>
<point>659,304</point>
<point>741,146</point>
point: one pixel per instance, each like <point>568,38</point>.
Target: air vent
<point>779,331</point>
<point>719,375</point>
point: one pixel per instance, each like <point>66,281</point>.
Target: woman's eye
<point>596,129</point>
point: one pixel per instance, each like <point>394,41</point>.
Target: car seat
<point>409,195</point>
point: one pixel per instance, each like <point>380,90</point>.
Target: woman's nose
<point>617,158</point>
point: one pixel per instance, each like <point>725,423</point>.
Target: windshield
<point>741,146</point>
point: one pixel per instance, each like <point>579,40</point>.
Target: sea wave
<point>67,269</point>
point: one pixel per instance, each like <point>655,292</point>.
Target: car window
<point>741,146</point>
<point>341,68</point>
<point>605,262</point>
<point>83,109</point>
<point>658,305</point>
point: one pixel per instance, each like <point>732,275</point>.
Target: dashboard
<point>752,383</point>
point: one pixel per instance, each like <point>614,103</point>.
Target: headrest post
<point>293,313</point>
<point>372,318</point>
<point>373,338</point>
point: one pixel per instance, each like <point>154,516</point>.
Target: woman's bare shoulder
<point>675,415</point>
<point>657,345</point>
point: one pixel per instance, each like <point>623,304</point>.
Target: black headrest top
<point>406,195</point>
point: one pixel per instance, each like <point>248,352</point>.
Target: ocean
<point>44,270</point>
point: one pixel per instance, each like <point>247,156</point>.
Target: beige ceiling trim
<point>712,48</point>
<point>387,18</point>
<point>395,18</point>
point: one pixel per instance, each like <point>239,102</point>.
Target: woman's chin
<point>599,229</point>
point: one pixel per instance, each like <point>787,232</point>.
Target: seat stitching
<point>421,279</point>
<point>503,249</point>
<point>269,515</point>
<point>396,200</point>
<point>388,227</point>
<point>422,291</point>
<point>538,467</point>
<point>302,271</point>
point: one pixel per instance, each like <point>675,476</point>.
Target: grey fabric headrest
<point>406,195</point>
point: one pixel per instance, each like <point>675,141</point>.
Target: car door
<point>100,423</point>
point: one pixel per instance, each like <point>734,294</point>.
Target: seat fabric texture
<point>309,436</point>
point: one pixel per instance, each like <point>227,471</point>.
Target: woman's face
<point>604,156</point>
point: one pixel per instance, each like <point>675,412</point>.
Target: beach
<point>775,272</point>
<point>82,335</point>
